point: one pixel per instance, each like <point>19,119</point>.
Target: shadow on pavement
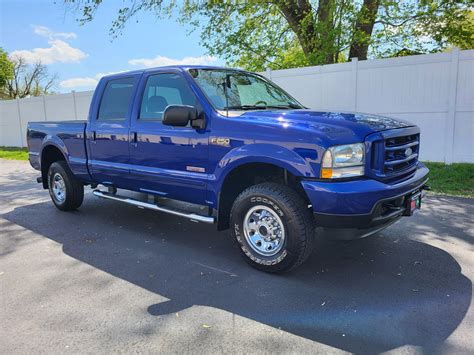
<point>369,295</point>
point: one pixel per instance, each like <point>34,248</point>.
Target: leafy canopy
<point>6,68</point>
<point>287,33</point>
<point>26,80</point>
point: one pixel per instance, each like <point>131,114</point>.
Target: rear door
<point>165,160</point>
<point>108,130</point>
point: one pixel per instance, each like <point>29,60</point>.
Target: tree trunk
<point>313,30</point>
<point>326,45</point>
<point>363,29</point>
<point>299,15</point>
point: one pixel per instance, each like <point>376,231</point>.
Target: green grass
<point>455,179</point>
<point>14,153</point>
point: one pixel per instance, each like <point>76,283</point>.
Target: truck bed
<point>69,136</point>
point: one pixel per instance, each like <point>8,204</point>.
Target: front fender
<point>258,153</point>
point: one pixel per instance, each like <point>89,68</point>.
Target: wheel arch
<point>50,153</point>
<point>249,173</point>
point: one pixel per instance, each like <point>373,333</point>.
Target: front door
<point>165,160</point>
<point>108,131</point>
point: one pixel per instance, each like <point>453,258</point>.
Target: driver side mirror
<point>179,115</point>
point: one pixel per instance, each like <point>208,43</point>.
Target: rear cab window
<point>116,99</point>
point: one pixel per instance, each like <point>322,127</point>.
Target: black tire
<point>74,189</point>
<point>299,229</point>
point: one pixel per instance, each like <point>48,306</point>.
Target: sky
<point>46,30</point>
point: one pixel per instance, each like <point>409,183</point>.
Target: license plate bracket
<point>413,203</point>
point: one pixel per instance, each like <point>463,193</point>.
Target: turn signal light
<point>326,173</point>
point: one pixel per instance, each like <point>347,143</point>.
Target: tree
<point>364,26</point>
<point>286,33</point>
<point>459,32</point>
<point>6,69</point>
<point>28,80</point>
<point>424,26</point>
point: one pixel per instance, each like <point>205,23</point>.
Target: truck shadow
<point>370,295</point>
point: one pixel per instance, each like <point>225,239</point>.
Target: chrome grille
<point>400,153</point>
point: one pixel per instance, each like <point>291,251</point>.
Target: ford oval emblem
<point>408,152</point>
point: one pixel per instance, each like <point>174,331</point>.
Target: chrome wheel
<point>59,188</point>
<point>264,230</point>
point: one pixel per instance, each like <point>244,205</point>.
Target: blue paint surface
<point>181,162</point>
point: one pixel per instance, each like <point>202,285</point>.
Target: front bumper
<point>361,207</point>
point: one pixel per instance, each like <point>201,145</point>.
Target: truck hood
<point>334,126</point>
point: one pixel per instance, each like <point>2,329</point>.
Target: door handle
<point>94,137</point>
<point>134,142</point>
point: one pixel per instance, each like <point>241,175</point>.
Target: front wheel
<point>273,227</point>
<point>65,190</point>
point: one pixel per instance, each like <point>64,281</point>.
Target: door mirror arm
<point>200,121</point>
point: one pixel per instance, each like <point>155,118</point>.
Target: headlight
<point>343,161</point>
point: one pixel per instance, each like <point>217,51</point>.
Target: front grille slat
<point>405,146</point>
<point>395,157</point>
<point>400,161</point>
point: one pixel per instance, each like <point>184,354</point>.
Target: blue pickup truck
<point>226,146</point>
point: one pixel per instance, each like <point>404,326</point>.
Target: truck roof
<point>174,67</point>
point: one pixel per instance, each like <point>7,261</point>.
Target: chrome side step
<point>140,204</point>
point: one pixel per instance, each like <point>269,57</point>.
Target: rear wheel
<point>67,193</point>
<point>273,227</point>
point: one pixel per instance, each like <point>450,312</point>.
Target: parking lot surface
<point>113,278</point>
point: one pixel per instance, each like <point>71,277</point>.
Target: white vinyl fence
<point>434,91</point>
<point>15,114</point>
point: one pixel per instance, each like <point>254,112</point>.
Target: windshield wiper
<point>290,105</point>
<point>263,107</point>
<point>246,107</point>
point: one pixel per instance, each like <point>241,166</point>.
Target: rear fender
<point>55,141</point>
<point>51,141</point>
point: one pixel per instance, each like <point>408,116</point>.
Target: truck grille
<point>395,157</point>
<point>401,153</point>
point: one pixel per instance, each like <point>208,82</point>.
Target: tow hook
<point>425,187</point>
<point>39,179</point>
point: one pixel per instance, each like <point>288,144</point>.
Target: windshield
<point>245,91</point>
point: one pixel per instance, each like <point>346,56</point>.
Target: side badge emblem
<point>225,142</point>
<point>195,169</point>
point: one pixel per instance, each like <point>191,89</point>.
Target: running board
<point>140,204</point>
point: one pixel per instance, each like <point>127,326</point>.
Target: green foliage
<point>13,153</point>
<point>425,26</point>
<point>460,30</point>
<point>6,68</point>
<point>242,35</point>
<point>27,80</point>
<point>455,179</point>
<point>286,33</point>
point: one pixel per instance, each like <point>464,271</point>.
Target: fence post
<point>19,121</point>
<point>44,108</point>
<point>268,73</point>
<point>451,114</point>
<point>74,100</point>
<point>355,68</point>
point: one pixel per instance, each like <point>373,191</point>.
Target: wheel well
<point>247,175</point>
<point>49,155</point>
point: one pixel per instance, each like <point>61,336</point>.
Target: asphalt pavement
<point>113,278</point>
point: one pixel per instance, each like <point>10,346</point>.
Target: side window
<point>162,90</point>
<point>116,99</point>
